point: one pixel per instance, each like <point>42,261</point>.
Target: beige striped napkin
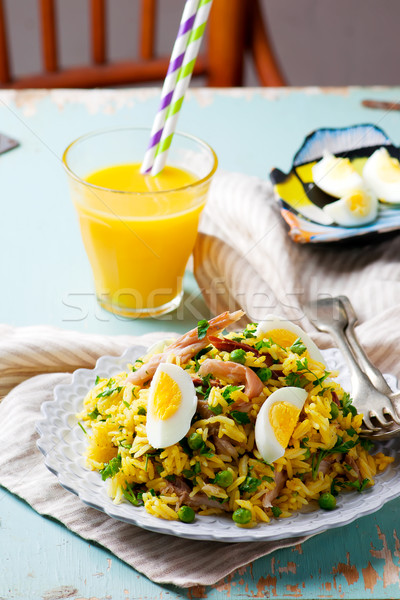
<point>243,258</point>
<point>35,359</point>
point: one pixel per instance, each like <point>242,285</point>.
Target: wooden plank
<point>4,60</point>
<point>49,35</point>
<point>147,28</point>
<point>98,28</point>
<point>226,43</point>
<point>103,75</point>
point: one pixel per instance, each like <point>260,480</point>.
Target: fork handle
<point>374,375</point>
<point>357,375</point>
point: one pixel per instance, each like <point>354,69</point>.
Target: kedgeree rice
<point>247,424</point>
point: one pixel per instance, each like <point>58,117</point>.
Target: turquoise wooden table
<point>46,280</point>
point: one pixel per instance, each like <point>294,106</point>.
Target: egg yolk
<point>283,417</point>
<point>337,168</point>
<point>342,167</point>
<point>167,397</point>
<point>389,169</point>
<point>282,337</point>
<point>358,203</point>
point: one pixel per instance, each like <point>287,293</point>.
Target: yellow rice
<point>115,422</point>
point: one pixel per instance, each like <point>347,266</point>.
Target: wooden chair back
<point>234,27</point>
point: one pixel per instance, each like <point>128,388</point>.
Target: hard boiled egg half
<point>358,207</point>
<point>284,333</point>
<point>171,405</point>
<point>382,174</point>
<point>276,421</point>
<point>335,176</point>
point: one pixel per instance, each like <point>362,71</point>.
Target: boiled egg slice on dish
<point>284,333</point>
<point>276,421</point>
<point>382,174</point>
<point>335,176</point>
<point>357,208</point>
<point>171,405</point>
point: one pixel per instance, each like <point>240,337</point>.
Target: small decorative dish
<point>302,201</point>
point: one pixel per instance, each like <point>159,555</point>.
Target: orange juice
<point>139,238</point>
<point>138,230</point>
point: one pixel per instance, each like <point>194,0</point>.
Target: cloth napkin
<point>24,353</point>
<point>243,257</point>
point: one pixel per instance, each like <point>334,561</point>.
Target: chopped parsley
<point>250,485</point>
<point>217,409</point>
<point>199,355</point>
<point>82,427</point>
<point>298,347</point>
<point>229,389</point>
<point>111,468</point>
<point>347,406</point>
<point>263,344</point>
<point>94,414</point>
<point>302,365</point>
<point>123,444</point>
<point>339,447</point>
<point>126,404</point>
<point>206,451</point>
<point>366,444</point>
<point>97,380</point>
<point>142,411</point>
<point>357,485</point>
<point>202,328</point>
<point>351,432</point>
<point>108,392</point>
<point>195,470</point>
<point>185,446</point>
<point>276,511</point>
<point>241,418</point>
<point>250,331</point>
<point>202,352</point>
<point>295,380</point>
<point>129,494</point>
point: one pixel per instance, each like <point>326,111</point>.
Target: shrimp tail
<point>186,346</point>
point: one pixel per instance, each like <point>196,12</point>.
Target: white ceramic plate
<point>63,444</point>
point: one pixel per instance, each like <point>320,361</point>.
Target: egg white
<point>349,212</point>
<point>382,174</point>
<point>159,346</point>
<point>266,442</point>
<point>163,433</point>
<point>272,322</point>
<point>335,176</point>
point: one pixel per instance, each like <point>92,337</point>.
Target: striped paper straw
<point>183,80</point>
<point>176,60</point>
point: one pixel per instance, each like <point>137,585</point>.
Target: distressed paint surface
<point>251,130</point>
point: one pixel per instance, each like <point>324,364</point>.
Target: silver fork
<point>371,394</point>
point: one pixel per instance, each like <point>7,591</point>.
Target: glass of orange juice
<point>138,230</point>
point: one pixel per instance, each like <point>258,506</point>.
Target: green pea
<point>195,441</point>
<point>264,374</point>
<point>242,516</point>
<point>186,514</point>
<point>327,501</point>
<point>334,411</point>
<point>224,479</point>
<point>238,355</point>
